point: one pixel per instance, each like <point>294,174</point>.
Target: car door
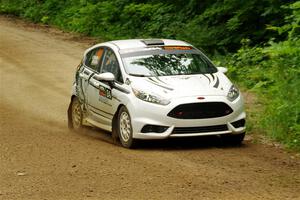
<point>86,70</point>
<point>103,101</point>
<point>112,65</point>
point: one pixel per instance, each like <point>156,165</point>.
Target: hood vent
<point>153,42</point>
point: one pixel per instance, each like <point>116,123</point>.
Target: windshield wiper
<point>138,75</point>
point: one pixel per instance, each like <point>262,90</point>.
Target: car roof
<point>144,43</point>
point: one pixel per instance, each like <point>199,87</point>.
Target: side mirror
<point>222,69</point>
<point>107,76</point>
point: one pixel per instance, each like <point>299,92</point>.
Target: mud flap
<point>114,133</point>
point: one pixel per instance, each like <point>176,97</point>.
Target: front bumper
<point>144,113</point>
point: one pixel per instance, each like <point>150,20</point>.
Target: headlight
<point>152,98</point>
<point>233,93</point>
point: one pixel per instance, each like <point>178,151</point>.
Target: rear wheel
<point>125,129</point>
<point>233,139</point>
<point>76,115</point>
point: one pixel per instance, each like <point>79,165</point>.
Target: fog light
<point>154,129</point>
<point>239,123</point>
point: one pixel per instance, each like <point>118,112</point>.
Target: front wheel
<point>125,129</point>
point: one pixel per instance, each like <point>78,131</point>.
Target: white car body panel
<point>180,89</point>
<point>157,115</point>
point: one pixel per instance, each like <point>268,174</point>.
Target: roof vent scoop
<point>152,42</point>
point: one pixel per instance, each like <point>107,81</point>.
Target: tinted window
<point>93,58</point>
<point>164,63</point>
<point>111,64</point>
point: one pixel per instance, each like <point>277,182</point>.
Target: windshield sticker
<point>177,48</point>
<point>105,92</point>
<point>167,51</point>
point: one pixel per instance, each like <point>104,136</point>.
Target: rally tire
<point>125,129</point>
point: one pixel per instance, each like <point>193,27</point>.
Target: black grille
<point>239,123</point>
<point>200,129</point>
<point>200,110</point>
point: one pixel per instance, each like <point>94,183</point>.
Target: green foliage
<point>284,108</point>
<point>212,25</point>
<point>7,7</point>
<point>273,72</point>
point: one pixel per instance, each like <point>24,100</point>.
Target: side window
<point>111,64</point>
<point>93,58</point>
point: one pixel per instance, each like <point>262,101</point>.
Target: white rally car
<point>154,89</point>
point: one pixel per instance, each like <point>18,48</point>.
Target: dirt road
<point>41,159</point>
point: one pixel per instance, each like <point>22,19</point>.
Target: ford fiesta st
<point>154,89</point>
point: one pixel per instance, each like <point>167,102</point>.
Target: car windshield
<point>167,63</point>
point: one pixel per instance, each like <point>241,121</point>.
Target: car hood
<point>216,84</point>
